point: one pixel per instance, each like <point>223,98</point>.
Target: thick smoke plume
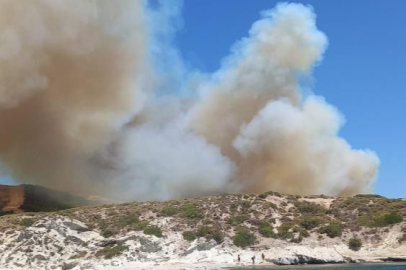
<point>91,101</point>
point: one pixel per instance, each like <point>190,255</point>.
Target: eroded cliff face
<point>30,198</point>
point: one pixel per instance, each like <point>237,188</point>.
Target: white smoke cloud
<point>90,94</point>
<point>300,151</point>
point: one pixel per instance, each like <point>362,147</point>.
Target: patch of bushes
<point>266,229</point>
<point>332,230</point>
<point>169,211</point>
<point>381,220</point>
<point>244,239</point>
<point>355,244</point>
<point>210,233</point>
<point>106,233</point>
<point>27,222</point>
<point>238,220</point>
<point>303,233</point>
<point>310,208</point>
<point>385,220</point>
<point>284,231</point>
<point>189,236</point>
<point>153,230</point>
<point>191,211</point>
<point>263,195</point>
<point>310,222</point>
<point>103,224</point>
<point>245,205</point>
<point>111,252</point>
<point>128,220</point>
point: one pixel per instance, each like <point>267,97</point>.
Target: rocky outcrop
<point>297,259</point>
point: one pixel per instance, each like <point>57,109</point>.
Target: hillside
<point>31,198</point>
<point>208,231</point>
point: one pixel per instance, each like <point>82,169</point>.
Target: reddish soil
<point>11,198</point>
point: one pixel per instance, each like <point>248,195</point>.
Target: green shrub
<point>128,220</point>
<point>310,208</point>
<point>310,222</point>
<point>169,211</point>
<point>246,204</point>
<point>284,231</point>
<point>233,207</point>
<point>106,233</point>
<point>202,231</point>
<point>27,222</point>
<point>263,195</point>
<point>210,233</point>
<point>189,236</point>
<point>266,230</point>
<point>355,244</point>
<point>238,220</point>
<point>217,236</point>
<point>191,211</point>
<point>302,232</point>
<point>244,239</point>
<point>110,252</point>
<point>103,224</point>
<point>153,230</point>
<point>285,235</point>
<point>332,230</point>
<point>381,220</point>
<point>385,220</point>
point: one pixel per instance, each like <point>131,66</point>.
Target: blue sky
<point>362,73</point>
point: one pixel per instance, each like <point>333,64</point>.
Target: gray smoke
<point>91,101</point>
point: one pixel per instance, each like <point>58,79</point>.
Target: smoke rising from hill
<point>90,102</point>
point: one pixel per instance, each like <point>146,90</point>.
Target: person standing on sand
<point>253,259</point>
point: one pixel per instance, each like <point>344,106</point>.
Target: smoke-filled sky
<point>96,98</point>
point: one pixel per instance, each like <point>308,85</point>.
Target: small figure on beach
<point>239,258</point>
<point>263,257</point>
<point>253,259</point>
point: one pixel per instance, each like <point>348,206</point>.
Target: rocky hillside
<point>30,198</point>
<point>209,232</point>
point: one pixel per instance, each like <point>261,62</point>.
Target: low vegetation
<point>27,222</point>
<point>266,229</point>
<point>209,233</point>
<point>334,229</point>
<point>78,255</point>
<point>189,235</point>
<point>111,251</point>
<point>241,218</point>
<point>355,244</point>
<point>169,211</point>
<point>244,239</point>
<point>153,230</point>
<point>191,211</point>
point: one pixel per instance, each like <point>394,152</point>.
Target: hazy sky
<point>362,73</point>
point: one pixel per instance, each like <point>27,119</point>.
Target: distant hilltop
<point>31,198</point>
